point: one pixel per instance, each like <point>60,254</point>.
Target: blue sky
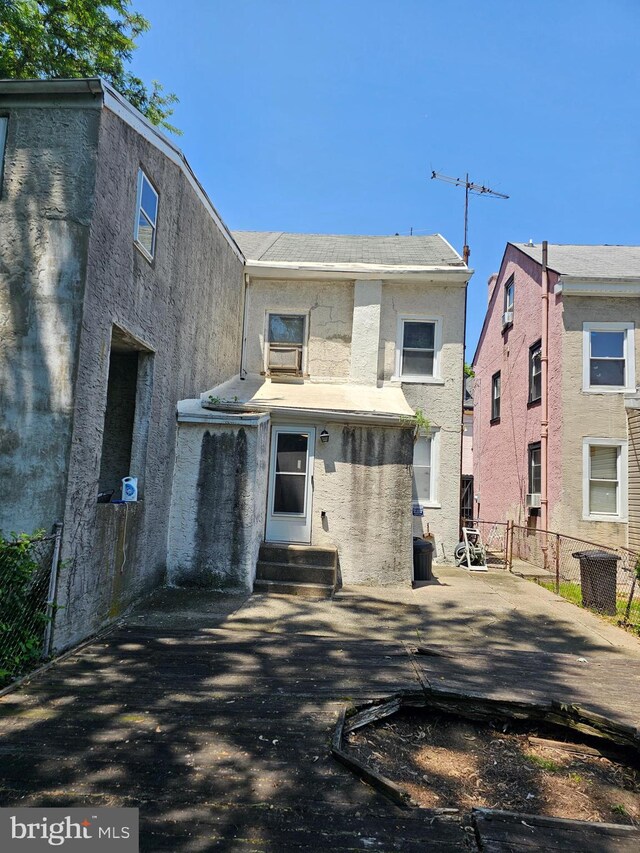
<point>301,115</point>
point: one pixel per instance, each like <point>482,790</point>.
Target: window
<point>417,349</point>
<point>508,295</point>
<point>424,474</point>
<point>144,233</point>
<point>608,356</point>
<point>285,343</point>
<point>604,479</point>
<point>535,469</point>
<point>4,126</point>
<point>495,397</point>
<point>535,372</point>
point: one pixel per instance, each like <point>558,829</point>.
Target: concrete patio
<point>214,714</point>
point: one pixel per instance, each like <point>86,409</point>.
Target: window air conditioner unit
<point>285,359</point>
<point>507,318</point>
<point>533,501</point>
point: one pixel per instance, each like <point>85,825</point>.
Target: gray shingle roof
<point>588,261</point>
<point>280,246</point>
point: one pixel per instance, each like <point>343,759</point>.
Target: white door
<point>290,485</point>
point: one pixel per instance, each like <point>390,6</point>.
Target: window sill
<point>532,403</point>
<point>494,421</point>
<point>615,519</point>
<point>417,380</point>
<point>143,251</point>
<point>427,504</point>
<point>605,390</point>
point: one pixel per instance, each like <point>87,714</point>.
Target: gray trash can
<point>598,577</point>
<point>422,558</point>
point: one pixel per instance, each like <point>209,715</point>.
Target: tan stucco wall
<point>588,415</point>
<point>329,306</point>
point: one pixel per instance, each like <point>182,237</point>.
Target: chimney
<point>492,281</point>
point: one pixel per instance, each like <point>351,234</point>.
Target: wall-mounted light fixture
<point>324,436</point>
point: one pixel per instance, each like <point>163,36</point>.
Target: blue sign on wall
<point>417,509</point>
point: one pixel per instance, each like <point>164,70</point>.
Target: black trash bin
<point>422,557</point>
<point>598,576</point>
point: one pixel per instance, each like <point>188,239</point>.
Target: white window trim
<point>622,510</point>
<point>434,501</point>
<point>510,285</point>
<point>629,357</point>
<point>142,175</point>
<point>287,312</point>
<point>436,379</point>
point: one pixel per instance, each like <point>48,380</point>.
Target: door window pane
<point>286,329</point>
<point>291,455</point>
<point>289,494</point>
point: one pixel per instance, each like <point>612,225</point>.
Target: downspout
<point>245,314</point>
<point>544,403</point>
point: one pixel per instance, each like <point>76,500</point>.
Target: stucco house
<point>120,294</point>
<point>307,456</point>
<point>557,424</point>
<point>124,296</point>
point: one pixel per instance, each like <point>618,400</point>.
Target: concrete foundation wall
<point>46,203</point>
<point>329,307</point>
<point>362,480</point>
<point>218,506</point>
<point>185,309</point>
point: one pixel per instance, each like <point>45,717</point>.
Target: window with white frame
<point>417,349</point>
<point>535,372</point>
<point>508,295</point>
<point>4,127</point>
<point>424,469</point>
<point>604,479</point>
<point>608,357</point>
<point>535,468</point>
<point>285,343</point>
<point>144,233</point>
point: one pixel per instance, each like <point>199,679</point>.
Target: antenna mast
<point>469,187</point>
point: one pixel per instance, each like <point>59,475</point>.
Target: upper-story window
<point>418,349</point>
<point>508,301</point>
<point>495,397</point>
<point>144,233</point>
<point>535,372</point>
<point>4,126</point>
<point>608,357</point>
<point>286,335</point>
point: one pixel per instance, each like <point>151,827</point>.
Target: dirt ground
<point>446,762</point>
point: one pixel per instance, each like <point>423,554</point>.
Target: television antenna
<point>469,187</point>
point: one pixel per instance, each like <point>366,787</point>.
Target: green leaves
<point>79,38</point>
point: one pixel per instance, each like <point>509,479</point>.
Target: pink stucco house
<point>557,416</point>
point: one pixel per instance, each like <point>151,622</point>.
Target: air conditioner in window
<point>284,359</point>
<point>507,318</point>
<point>533,500</point>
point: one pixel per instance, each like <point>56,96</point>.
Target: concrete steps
<point>303,570</point>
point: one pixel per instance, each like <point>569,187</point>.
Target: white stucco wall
<point>365,337</point>
<point>595,415</point>
<point>362,479</point>
<point>218,503</point>
<point>329,308</point>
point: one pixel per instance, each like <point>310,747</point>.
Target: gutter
<point>453,275</point>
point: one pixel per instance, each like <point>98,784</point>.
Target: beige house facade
<point>345,338</point>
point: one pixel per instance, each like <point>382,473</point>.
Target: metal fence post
<point>51,595</point>
<point>509,555</point>
<point>557,564</point>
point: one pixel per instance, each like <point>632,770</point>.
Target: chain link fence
<point>28,576</point>
<point>600,577</point>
